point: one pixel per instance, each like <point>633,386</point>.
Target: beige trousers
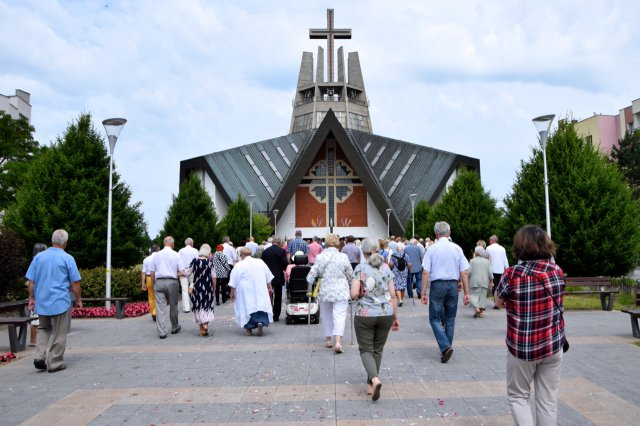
<point>52,353</point>
<point>545,375</point>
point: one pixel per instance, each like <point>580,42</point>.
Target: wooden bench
<point>119,302</point>
<point>17,338</point>
<point>634,321</point>
<point>600,285</point>
<point>20,305</point>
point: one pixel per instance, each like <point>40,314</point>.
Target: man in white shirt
<point>251,291</point>
<point>229,251</point>
<point>499,262</point>
<point>187,254</point>
<point>165,269</point>
<point>252,245</point>
<point>444,264</point>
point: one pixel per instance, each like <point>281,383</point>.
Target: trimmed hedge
<point>125,282</point>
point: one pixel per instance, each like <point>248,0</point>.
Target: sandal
<point>328,344</point>
<point>338,348</point>
<point>376,392</point>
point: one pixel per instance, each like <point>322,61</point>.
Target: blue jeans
<point>443,300</point>
<point>411,278</point>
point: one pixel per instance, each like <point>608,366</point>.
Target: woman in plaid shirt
<point>532,292</point>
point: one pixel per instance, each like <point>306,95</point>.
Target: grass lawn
<point>576,302</point>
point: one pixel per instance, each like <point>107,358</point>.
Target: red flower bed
<point>7,357</point>
<point>135,309</point>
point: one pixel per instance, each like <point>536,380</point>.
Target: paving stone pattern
<point>120,373</point>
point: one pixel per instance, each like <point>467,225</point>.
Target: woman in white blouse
<point>335,271</point>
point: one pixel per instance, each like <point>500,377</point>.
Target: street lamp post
<point>331,225</point>
<point>543,124</point>
<point>275,222</point>
<point>413,197</point>
<point>388,217</point>
<point>251,197</point>
<point>113,127</point>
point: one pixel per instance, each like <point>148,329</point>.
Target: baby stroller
<point>300,306</point>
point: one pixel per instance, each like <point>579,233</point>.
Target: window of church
<point>259,174</point>
<point>284,157</point>
<point>359,122</point>
<point>402,173</point>
<point>390,163</point>
<point>273,166</point>
<point>302,123</point>
<point>367,146</point>
<point>295,148</point>
<point>377,157</point>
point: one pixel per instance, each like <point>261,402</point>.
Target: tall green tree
<point>627,157</point>
<point>469,210</point>
<point>67,186</point>
<point>423,214</point>
<point>17,149</point>
<point>13,264</point>
<point>191,214</point>
<point>595,221</point>
<point>236,223</point>
<point>262,229</point>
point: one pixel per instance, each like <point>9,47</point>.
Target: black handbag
<point>565,344</point>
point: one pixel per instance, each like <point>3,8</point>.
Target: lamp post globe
<point>113,127</point>
<point>543,124</point>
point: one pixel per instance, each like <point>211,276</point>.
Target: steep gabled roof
<point>390,169</point>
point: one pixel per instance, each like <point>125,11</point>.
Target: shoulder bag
<point>565,344</point>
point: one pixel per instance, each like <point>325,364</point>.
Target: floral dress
<point>336,272</point>
<point>202,295</point>
<point>376,301</point>
<point>400,277</point>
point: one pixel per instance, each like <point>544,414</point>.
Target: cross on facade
<point>330,34</point>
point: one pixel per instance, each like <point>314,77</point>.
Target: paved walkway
<point>119,372</point>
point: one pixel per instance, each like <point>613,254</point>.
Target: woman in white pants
<point>335,271</point>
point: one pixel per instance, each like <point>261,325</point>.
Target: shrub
<point>125,282</point>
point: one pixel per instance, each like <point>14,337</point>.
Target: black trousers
<point>221,287</point>
<point>496,281</point>
<point>277,301</point>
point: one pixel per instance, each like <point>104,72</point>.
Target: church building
<point>331,173</point>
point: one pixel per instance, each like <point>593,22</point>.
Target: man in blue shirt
<point>52,274</point>
<point>415,272</point>
<point>298,244</point>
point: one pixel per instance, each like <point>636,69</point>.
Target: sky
<point>194,76</point>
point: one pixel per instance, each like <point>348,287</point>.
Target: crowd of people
<point>375,276</point>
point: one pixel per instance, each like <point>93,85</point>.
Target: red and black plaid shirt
<point>535,325</point>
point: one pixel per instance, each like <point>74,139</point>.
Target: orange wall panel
<point>309,210</point>
<point>353,208</point>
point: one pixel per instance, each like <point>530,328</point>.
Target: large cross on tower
<point>330,33</point>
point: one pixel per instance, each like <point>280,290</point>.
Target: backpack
<point>401,264</point>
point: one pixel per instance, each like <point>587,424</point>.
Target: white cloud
<point>193,77</point>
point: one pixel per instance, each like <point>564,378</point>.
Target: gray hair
<point>154,248</point>
<point>205,250</point>
<point>370,247</point>
<point>225,239</point>
<point>494,237</point>
<point>188,242</point>
<point>168,240</point>
<point>39,247</point>
<point>298,233</point>
<point>59,237</point>
<point>245,251</point>
<point>442,229</point>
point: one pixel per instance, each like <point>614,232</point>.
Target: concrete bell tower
<point>345,96</point>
